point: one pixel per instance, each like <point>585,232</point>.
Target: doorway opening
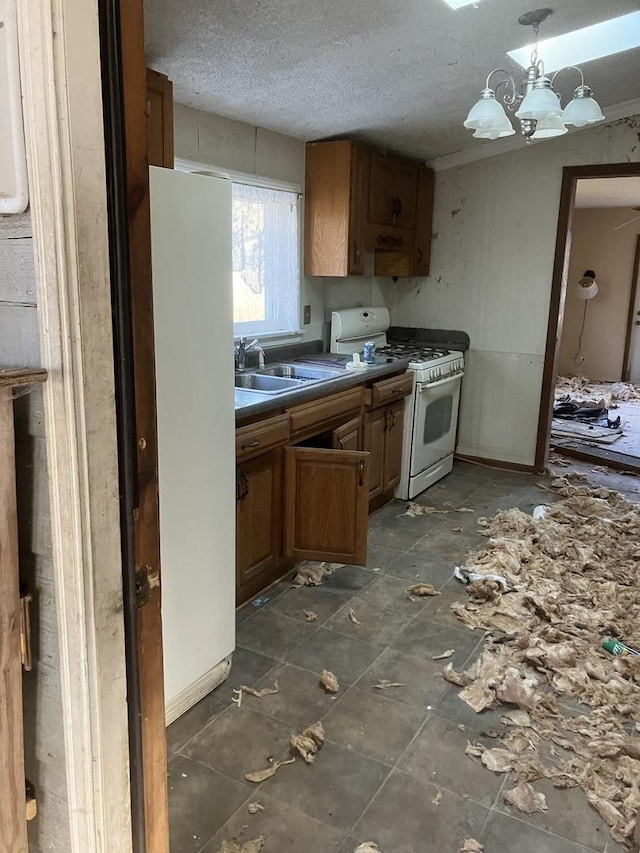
<point>590,407</point>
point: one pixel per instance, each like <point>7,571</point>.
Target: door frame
<point>59,46</point>
<point>631,315</point>
<point>570,177</point>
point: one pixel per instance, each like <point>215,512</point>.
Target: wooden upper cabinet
<point>358,199</point>
<point>159,119</point>
<point>326,505</point>
<point>424,220</point>
<point>336,177</point>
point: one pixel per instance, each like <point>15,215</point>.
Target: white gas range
<point>431,412</point>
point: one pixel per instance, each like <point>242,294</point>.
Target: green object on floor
<point>617,648</point>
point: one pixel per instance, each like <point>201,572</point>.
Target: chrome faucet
<point>243,348</point>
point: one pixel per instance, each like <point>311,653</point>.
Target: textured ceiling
<point>608,192</point>
<point>399,73</point>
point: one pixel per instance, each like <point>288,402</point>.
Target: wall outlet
<point>306,315</point>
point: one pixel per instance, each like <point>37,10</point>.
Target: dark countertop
<point>251,403</point>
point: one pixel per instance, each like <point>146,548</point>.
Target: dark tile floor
<point>393,768</point>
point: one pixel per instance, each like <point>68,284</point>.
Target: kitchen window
<point>266,261</point>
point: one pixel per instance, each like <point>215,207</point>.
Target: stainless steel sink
<point>266,384</point>
<point>301,372</point>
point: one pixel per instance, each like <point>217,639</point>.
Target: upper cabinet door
<point>326,505</point>
<point>159,120</point>
<point>405,181</point>
<point>358,208</point>
<point>424,219</point>
<point>380,207</point>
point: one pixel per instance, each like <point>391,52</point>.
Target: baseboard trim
<point>496,463</point>
<point>181,703</point>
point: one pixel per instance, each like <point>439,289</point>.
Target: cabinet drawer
<point>263,435</point>
<point>389,390</point>
<point>309,415</point>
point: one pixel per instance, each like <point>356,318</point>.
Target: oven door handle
<point>440,382</point>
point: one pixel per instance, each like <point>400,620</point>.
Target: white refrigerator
<point>193,328</point>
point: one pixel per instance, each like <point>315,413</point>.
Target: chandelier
<point>534,101</point>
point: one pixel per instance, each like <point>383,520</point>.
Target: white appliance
<point>193,327</point>
<point>431,412</point>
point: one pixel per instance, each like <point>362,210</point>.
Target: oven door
<point>434,422</point>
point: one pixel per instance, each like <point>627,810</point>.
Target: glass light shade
<point>541,102</point>
<point>583,109</point>
<point>549,127</point>
<point>496,131</point>
<point>486,112</point>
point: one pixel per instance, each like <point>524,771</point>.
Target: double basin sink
<point>278,378</point>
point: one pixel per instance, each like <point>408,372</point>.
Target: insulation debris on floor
<point>571,709</point>
<point>606,394</point>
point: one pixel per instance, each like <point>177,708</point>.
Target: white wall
<point>597,245</point>
<point>494,227</point>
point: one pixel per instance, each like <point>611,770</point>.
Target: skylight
<point>458,4</point>
<point>584,45</point>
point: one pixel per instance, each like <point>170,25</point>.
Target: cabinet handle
<point>419,256</point>
<point>361,481</point>
<point>242,486</point>
<point>341,443</point>
<point>356,250</point>
<point>255,443</point>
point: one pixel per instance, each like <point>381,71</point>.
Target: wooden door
<point>258,522</point>
<point>348,436</point>
<point>357,208</point>
<point>424,219</point>
<point>159,119</point>
<point>405,183</point>
<point>393,445</point>
<point>146,516</point>
<point>326,505</point>
<point>380,208</point>
<point>374,438</point>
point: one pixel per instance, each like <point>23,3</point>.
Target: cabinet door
<point>258,522</point>
<point>348,436</point>
<point>326,505</point>
<point>159,120</point>
<point>424,217</point>
<point>405,183</point>
<point>380,207</point>
<point>393,445</point>
<point>357,208</point>
<point>374,437</point>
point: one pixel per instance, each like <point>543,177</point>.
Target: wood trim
<point>585,455</point>
<point>13,825</point>
<point>21,376</point>
<point>147,522</point>
<point>160,83</point>
<point>570,175</point>
<point>626,367</point>
<point>62,97</point>
<point>501,464</point>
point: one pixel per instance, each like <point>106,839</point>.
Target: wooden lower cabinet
<point>326,504</point>
<point>383,441</point>
<point>393,445</point>
<point>374,439</point>
<point>258,523</point>
<point>348,436</point>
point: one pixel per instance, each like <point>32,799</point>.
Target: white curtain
<point>265,260</point>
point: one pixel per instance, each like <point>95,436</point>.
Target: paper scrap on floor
<point>572,573</point>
